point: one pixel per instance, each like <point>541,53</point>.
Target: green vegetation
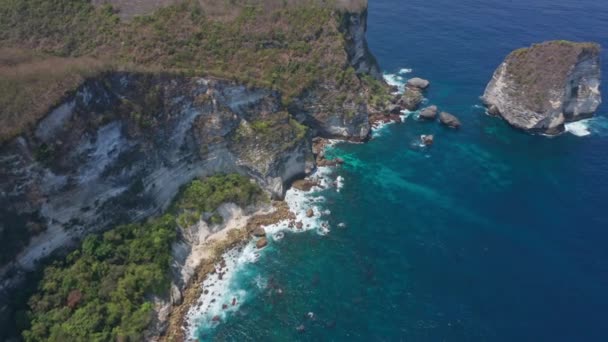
<point>102,291</point>
<point>285,45</point>
<point>277,131</point>
<point>207,195</point>
<point>379,93</point>
<point>98,292</point>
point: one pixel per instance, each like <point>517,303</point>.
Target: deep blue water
<point>489,235</point>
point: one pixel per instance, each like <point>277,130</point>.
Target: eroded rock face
<point>539,88</point>
<point>359,55</point>
<point>120,148</point>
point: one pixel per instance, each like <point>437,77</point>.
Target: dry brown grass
<point>30,83</point>
<point>543,67</point>
<point>286,45</point>
<point>225,9</point>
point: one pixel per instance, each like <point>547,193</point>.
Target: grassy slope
<point>288,46</point>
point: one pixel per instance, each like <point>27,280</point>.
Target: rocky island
<point>540,88</point>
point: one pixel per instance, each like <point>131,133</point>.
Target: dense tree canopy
<point>103,290</point>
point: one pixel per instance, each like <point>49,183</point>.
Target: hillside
<point>287,46</point>
<point>108,108</point>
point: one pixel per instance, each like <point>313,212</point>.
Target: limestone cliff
<point>119,147</point>
<point>540,88</point>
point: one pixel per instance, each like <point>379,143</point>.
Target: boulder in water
<point>427,139</point>
<point>449,120</point>
<point>310,212</point>
<point>417,82</point>
<point>428,113</point>
<point>261,243</point>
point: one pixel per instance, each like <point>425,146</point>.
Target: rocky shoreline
<point>177,323</point>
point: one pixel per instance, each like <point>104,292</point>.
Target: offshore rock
<point>417,82</point>
<point>427,139</point>
<point>310,212</point>
<point>429,113</point>
<point>539,88</point>
<point>449,120</point>
<point>261,243</point>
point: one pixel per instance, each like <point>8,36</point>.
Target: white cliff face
<point>582,94</point>
<point>540,88</point>
<point>106,156</point>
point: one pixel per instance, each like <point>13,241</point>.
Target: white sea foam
<point>405,114</point>
<point>223,296</point>
<point>378,129</point>
<point>221,293</point>
<point>405,71</point>
<point>597,126</point>
<point>579,128</point>
<point>339,183</point>
<point>395,80</point>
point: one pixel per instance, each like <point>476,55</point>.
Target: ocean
<point>490,234</point>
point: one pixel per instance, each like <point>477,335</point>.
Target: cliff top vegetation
<point>541,68</point>
<point>51,46</point>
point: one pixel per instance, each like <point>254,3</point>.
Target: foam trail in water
<point>405,71</point>
<point>597,125</point>
<point>579,128</point>
<point>221,294</point>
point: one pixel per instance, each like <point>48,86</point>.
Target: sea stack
<point>541,87</point>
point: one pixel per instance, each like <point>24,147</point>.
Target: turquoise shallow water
<point>489,235</point>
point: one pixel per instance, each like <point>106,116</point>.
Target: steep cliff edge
<point>539,88</point>
<point>163,105</point>
<point>120,148</point>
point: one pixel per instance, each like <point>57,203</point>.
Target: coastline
<point>291,214</point>
<point>282,217</point>
<point>216,245</point>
